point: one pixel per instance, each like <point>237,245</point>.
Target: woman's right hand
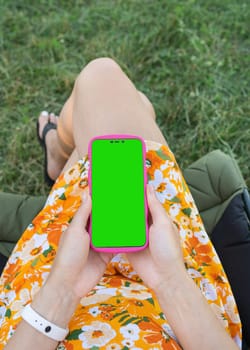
<point>163,258</point>
<point>161,267</point>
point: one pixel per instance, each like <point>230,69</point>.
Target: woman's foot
<point>55,161</point>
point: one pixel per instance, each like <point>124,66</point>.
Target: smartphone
<point>117,185</point>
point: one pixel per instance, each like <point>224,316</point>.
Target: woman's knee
<point>99,68</point>
<point>147,104</point>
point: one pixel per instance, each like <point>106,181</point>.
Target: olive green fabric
<point>16,213</point>
<point>213,181</point>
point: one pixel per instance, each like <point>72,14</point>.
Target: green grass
<point>190,57</point>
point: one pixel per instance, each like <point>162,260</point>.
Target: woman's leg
<point>103,101</point>
<point>65,126</point>
<point>107,102</point>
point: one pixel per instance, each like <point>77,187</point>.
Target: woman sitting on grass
<point>172,295</point>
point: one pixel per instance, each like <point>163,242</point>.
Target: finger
<point>157,211</point>
<point>82,215</point>
<point>106,257</point>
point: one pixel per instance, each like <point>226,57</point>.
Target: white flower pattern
<point>96,334</point>
<point>131,332</point>
<point>111,314</point>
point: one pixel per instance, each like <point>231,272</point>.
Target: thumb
<point>156,209</point>
<point>81,217</point>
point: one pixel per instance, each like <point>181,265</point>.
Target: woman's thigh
<point>107,102</point>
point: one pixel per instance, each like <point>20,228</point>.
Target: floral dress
<point>120,313</point>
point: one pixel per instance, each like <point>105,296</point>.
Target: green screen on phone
<point>117,175</point>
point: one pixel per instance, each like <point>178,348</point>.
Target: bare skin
<point>105,101</point>
<point>55,161</point>
<point>55,152</point>
<point>77,269</point>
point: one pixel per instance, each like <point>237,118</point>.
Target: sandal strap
<point>49,126</point>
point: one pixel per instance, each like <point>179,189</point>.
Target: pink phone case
<point>119,249</point>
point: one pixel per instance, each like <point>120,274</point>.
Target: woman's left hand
<point>76,267</point>
<point>75,271</point>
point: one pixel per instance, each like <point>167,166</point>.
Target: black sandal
<point>49,126</point>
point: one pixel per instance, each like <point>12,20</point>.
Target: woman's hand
<point>76,267</point>
<point>75,271</point>
<point>163,258</point>
<point>162,268</point>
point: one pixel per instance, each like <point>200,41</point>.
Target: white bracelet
<point>42,325</point>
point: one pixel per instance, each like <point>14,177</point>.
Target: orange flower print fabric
<point>120,313</point>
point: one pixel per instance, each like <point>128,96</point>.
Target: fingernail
<point>44,114</point>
